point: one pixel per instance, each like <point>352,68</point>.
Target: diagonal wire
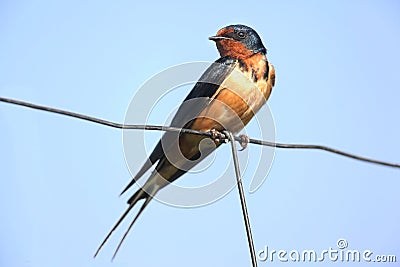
<point>246,218</point>
<point>189,131</point>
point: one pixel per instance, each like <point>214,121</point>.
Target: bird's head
<point>238,41</point>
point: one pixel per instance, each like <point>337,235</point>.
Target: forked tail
<point>140,194</point>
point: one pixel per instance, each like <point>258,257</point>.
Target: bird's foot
<point>218,137</point>
<point>244,141</point>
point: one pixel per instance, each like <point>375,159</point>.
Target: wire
<point>242,199</point>
<point>189,131</point>
<point>230,136</point>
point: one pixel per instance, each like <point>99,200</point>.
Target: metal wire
<point>230,136</point>
<point>189,131</point>
<point>242,199</point>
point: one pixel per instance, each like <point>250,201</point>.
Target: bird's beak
<point>218,38</point>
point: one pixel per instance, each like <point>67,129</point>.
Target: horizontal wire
<point>189,131</point>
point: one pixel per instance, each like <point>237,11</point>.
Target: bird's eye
<point>241,34</point>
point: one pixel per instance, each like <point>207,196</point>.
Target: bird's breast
<point>241,95</point>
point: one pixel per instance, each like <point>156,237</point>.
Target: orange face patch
<point>224,31</point>
<point>233,48</point>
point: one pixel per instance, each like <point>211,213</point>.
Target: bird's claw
<point>244,141</point>
<point>218,137</point>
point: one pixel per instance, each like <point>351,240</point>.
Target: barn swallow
<point>226,97</point>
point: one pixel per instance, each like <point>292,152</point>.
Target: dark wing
<point>202,92</point>
<point>194,103</point>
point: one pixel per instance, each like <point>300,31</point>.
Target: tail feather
<point>139,195</point>
<point>147,165</point>
<point>156,155</point>
<point>146,202</point>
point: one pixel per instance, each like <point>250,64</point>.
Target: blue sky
<point>337,84</point>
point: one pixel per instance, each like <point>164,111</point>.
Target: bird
<point>225,98</point>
